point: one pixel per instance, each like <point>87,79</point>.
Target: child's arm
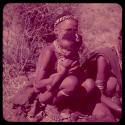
<point>75,65</point>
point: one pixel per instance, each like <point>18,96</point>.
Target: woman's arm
<point>58,78</point>
<point>43,63</point>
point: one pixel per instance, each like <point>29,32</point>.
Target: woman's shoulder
<point>48,49</point>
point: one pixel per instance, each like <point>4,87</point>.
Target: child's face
<point>66,44</point>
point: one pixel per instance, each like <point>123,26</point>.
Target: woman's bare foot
<point>31,114</point>
<point>45,97</point>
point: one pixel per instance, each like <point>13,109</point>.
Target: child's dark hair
<point>72,37</point>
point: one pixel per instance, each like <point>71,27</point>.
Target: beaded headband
<point>64,18</point>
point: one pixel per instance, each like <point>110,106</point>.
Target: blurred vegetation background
<point>24,25</point>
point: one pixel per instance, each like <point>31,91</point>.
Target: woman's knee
<point>88,84</point>
<point>72,79</point>
<point>69,85</point>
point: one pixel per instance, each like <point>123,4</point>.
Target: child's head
<point>71,41</point>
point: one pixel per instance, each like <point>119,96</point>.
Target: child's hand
<point>73,69</point>
<point>75,65</point>
<point>66,63</point>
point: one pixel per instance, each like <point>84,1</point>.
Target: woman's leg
<point>46,97</point>
<point>67,88</point>
<point>90,95</point>
<point>88,85</point>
